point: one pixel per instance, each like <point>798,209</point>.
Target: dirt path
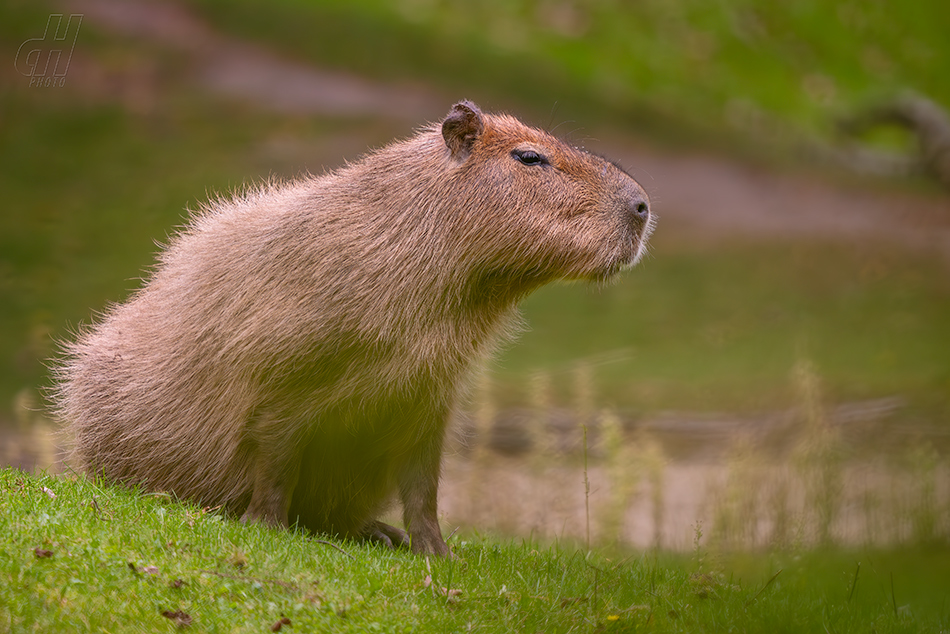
<point>236,69</point>
<point>699,196</point>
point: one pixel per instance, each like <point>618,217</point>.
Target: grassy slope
<point>75,555</point>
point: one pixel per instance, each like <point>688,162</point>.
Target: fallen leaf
<point>177,583</point>
<point>42,553</point>
<point>238,559</point>
<point>315,597</point>
<point>445,592</point>
<point>181,619</point>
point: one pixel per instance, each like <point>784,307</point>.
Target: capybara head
<point>548,210</point>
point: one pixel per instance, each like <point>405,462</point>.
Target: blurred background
<point>777,369</point>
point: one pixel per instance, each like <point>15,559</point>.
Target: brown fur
<point>297,351</point>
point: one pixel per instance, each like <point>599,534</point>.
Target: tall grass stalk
<point>584,395</point>
<point>586,493</point>
<point>736,511</point>
<point>778,508</point>
<point>818,456</point>
<point>622,475</point>
<point>923,464</point>
<point>584,399</point>
<point>653,459</point>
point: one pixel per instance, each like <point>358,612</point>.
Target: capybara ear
<point>461,127</point>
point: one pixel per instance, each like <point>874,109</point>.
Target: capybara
<point>298,349</point>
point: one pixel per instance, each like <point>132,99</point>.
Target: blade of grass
<point>854,582</point>
<point>764,588</point>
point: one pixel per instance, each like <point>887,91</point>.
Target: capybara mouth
<point>641,222</point>
<point>642,237</point>
<point>629,249</point>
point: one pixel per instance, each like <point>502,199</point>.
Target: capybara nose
<point>638,208</point>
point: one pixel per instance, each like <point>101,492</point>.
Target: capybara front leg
<point>419,489</point>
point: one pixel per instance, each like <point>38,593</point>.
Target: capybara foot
<point>387,535</point>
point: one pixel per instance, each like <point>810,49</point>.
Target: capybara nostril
<point>643,210</point>
<point>638,209</point>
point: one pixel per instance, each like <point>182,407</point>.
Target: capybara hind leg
<point>269,505</point>
<point>387,535</point>
<point>274,484</point>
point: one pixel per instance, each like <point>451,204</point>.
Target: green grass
<point>79,556</point>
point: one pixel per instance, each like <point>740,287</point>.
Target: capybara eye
<point>529,157</point>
